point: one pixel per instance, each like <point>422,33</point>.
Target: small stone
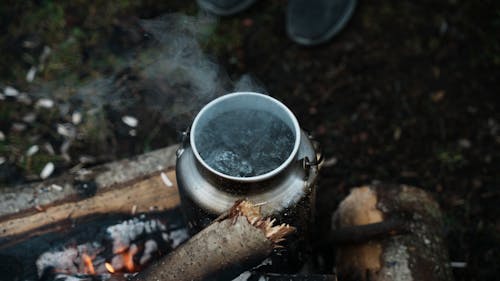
<point>24,99</point>
<point>45,103</point>
<point>47,170</point>
<point>32,150</point>
<point>130,121</point>
<point>2,160</point>
<point>56,187</point>
<point>10,92</point>
<point>2,136</point>
<point>464,143</point>
<point>18,127</point>
<point>30,76</point>
<point>76,117</point>
<point>66,130</point>
<point>29,118</point>
<point>49,148</point>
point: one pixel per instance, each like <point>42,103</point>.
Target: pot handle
<point>315,164</point>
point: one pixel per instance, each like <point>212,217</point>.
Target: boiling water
<point>245,143</point>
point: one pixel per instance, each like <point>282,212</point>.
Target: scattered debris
<point>66,130</point>
<point>24,99</point>
<point>56,187</point>
<point>86,159</point>
<point>18,127</point>
<point>30,76</point>
<point>32,150</point>
<point>49,148</point>
<point>130,121</point>
<point>166,180</point>
<point>2,136</point>
<point>10,92</point>
<point>29,118</point>
<point>44,103</point>
<point>2,160</point>
<point>64,150</point>
<point>47,170</point>
<point>76,117</point>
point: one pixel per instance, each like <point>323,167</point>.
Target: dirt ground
<point>406,93</point>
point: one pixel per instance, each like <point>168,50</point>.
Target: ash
<point>127,246</point>
<point>245,143</point>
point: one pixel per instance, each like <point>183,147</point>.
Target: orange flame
<point>109,267</point>
<point>89,267</point>
<point>128,258</point>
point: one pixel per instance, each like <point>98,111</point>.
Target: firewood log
<point>396,235</point>
<point>138,185</point>
<point>233,243</point>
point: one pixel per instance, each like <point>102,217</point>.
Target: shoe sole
<point>223,12</point>
<point>328,35</point>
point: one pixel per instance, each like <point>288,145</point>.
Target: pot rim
<point>270,174</point>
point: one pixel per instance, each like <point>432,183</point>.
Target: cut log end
<point>417,252</point>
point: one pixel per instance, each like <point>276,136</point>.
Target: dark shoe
<point>225,7</point>
<point>311,22</point>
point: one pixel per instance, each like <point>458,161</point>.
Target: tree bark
<point>412,247</point>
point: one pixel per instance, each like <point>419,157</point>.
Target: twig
<point>363,233</point>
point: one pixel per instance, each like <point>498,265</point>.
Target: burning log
<point>141,185</point>
<point>234,242</point>
<point>387,233</point>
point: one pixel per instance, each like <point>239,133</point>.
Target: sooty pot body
<point>286,193</point>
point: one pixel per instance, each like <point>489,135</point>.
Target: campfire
<point>126,247</point>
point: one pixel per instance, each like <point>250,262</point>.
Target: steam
<point>172,77</point>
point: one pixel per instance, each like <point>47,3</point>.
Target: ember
<point>127,247</point>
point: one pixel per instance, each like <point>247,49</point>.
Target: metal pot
<point>286,192</point>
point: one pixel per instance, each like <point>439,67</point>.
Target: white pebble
<point>49,148</point>
<point>2,97</point>
<point>47,170</point>
<point>24,98</point>
<point>66,130</point>
<point>56,187</point>
<point>130,121</point>
<point>76,117</point>
<point>132,133</point>
<point>32,150</point>
<point>2,136</point>
<point>29,118</point>
<point>18,127</point>
<point>30,76</point>
<point>45,103</point>
<point>2,160</point>
<point>10,92</point>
